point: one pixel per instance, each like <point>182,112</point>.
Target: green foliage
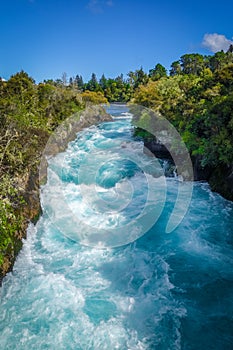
<point>198,99</point>
<point>78,82</point>
<point>139,77</point>
<point>114,90</point>
<point>175,68</point>
<point>28,114</point>
<point>148,95</point>
<point>94,97</point>
<point>158,72</point>
<point>92,84</point>
<point>195,63</point>
<point>10,219</point>
<point>192,63</point>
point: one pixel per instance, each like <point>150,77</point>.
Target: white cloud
<point>97,6</point>
<point>216,42</point>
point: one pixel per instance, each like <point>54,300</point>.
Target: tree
<point>93,84</point>
<point>148,95</point>
<point>230,49</point>
<point>217,61</point>
<point>94,97</point>
<point>158,72</point>
<point>120,79</point>
<point>103,82</point>
<point>139,77</point>
<point>71,82</point>
<point>225,77</point>
<point>79,82</point>
<point>175,68</point>
<point>19,95</point>
<point>20,82</point>
<point>192,63</point>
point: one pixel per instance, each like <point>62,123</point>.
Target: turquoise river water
<point>160,291</point>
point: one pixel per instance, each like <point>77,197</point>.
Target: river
<point>87,278</point>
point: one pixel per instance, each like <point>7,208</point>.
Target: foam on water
<point>163,291</point>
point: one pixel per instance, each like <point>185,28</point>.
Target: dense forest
<point>196,97</point>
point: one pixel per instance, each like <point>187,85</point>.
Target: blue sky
<point>48,37</point>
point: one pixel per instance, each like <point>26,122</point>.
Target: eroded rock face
<point>219,178</point>
<point>229,179</point>
<point>200,173</point>
<point>158,149</point>
<point>221,181</point>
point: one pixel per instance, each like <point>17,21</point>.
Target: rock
<point>221,181</point>
<point>220,178</point>
<point>158,149</point>
<point>200,173</point>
